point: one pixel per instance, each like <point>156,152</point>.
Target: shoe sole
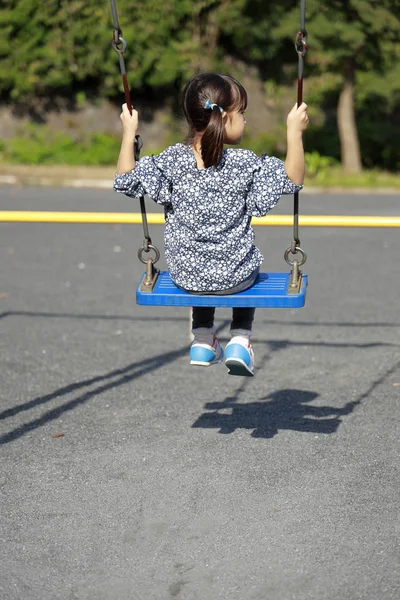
<point>198,363</point>
<point>238,367</point>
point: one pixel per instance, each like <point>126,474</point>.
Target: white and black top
<point>209,242</point>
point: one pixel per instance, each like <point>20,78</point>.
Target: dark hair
<point>224,91</point>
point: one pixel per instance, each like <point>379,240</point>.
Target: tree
<point>48,46</point>
<point>53,49</point>
<point>348,38</point>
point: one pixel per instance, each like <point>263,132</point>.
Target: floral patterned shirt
<point>209,241</point>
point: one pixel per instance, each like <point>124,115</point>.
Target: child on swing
<point>209,194</point>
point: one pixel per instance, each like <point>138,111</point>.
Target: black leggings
<point>242,318</point>
<point>203,316</point>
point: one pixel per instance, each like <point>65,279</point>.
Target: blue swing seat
<point>269,291</point>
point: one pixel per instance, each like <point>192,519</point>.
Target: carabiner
<point>301,43</point>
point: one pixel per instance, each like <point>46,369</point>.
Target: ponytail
<point>212,141</point>
<point>205,97</point>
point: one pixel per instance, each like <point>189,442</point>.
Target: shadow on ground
<point>283,409</point>
<point>280,410</point>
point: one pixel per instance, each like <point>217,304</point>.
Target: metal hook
<point>301,43</point>
<point>117,41</point>
<point>291,262</point>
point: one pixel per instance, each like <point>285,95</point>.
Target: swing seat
<point>269,291</point>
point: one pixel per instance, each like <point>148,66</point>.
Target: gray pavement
<point>126,474</point>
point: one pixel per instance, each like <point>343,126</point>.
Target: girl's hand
<point>297,120</point>
<point>129,121</point>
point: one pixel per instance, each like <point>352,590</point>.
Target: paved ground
<point>171,482</point>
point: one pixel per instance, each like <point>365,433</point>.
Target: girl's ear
<point>224,116</point>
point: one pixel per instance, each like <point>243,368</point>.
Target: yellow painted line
<point>330,221</point>
<point>26,216</point>
<point>23,216</point>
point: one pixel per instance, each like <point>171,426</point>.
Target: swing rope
<point>119,44</point>
<point>301,44</point>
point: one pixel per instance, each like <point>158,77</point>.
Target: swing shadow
<point>280,410</point>
<point>283,409</point>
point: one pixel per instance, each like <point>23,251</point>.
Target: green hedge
<point>41,146</point>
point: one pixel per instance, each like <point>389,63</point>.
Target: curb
<point>56,182</point>
<point>107,184</point>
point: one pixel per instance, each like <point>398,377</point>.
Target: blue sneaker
<point>239,357</point>
<point>205,349</point>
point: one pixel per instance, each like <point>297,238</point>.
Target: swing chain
<point>119,45</point>
<point>147,245</point>
<point>295,278</point>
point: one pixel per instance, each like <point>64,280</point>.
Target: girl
<point>209,196</point>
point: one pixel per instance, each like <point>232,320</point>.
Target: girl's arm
<point>297,122</point>
<point>126,158</point>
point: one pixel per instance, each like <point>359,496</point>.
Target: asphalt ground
<point>127,474</point>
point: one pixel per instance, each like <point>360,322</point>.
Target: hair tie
<point>210,105</point>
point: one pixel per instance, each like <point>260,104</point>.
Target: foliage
<point>265,143</point>
<point>49,46</point>
<point>62,48</point>
<point>317,164</point>
<point>363,34</point>
<point>41,145</point>
<point>58,45</point>
<point>364,31</point>
<point>335,177</point>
